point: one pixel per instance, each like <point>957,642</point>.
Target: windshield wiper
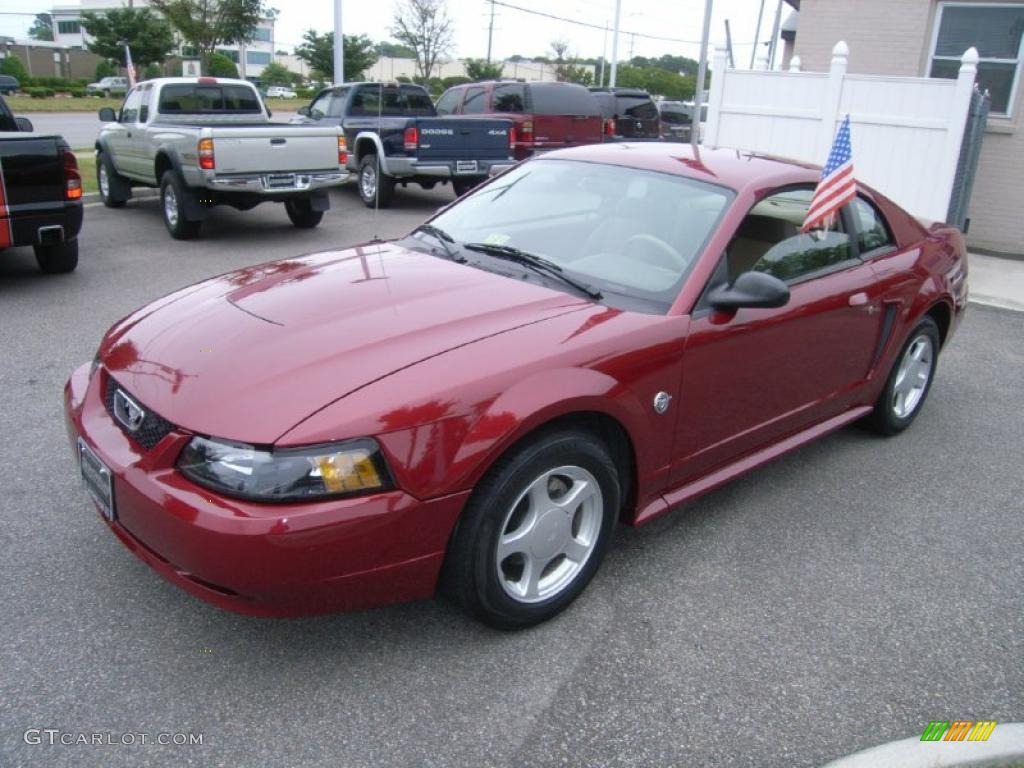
<point>444,238</point>
<point>537,263</point>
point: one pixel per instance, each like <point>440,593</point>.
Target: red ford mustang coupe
<point>599,334</point>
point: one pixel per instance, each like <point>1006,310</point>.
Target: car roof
<point>725,167</point>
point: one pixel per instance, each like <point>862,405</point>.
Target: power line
<point>591,26</point>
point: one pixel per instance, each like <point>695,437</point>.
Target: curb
<point>1004,744</point>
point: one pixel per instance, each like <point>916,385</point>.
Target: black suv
<point>629,114</point>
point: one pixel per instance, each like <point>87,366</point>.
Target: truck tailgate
<point>452,138</point>
<point>31,172</point>
<point>252,149</point>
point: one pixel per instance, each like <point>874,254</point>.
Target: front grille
<point>154,427</point>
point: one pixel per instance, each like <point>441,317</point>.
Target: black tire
<point>57,258</point>
<point>378,193</point>
<point>118,187</point>
<point>471,572</point>
<point>180,227</point>
<point>887,418</point>
<point>428,185</point>
<point>464,186</point>
<point>302,214</point>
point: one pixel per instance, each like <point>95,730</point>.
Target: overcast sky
<point>514,30</point>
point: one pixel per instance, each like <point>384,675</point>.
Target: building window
<point>997,31</point>
<point>262,35</point>
<point>68,27</point>
<point>233,55</point>
<point>257,57</point>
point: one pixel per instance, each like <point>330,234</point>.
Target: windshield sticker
<point>497,239</point>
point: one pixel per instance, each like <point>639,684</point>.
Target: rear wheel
<point>909,381</point>
<point>534,531</point>
<point>302,214</point>
<point>172,197</point>
<point>114,188</point>
<point>56,258</point>
<point>464,186</point>
<point>375,188</point>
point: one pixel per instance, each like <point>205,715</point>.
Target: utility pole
<point>615,42</point>
<point>339,46</point>
<point>702,73</point>
<point>757,33</point>
<point>490,33</point>
<point>728,44</point>
<point>604,52</point>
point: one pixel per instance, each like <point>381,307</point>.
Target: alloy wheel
<point>171,206</point>
<point>912,377</point>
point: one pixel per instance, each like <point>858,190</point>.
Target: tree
<point>424,26</point>
<point>395,51</point>
<point>207,24</point>
<point>149,36</point>
<point>568,70</point>
<point>106,68</point>
<point>318,51</point>
<point>42,27</point>
<point>276,74</point>
<point>657,82</point>
<point>479,69</point>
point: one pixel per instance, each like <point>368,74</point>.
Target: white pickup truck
<point>209,141</point>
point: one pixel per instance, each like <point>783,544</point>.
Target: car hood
<point>249,354</point>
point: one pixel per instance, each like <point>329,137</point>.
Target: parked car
<point>630,114</point>
<point>8,84</point>
<point>395,137</point>
<point>594,336</point>
<point>676,120</point>
<point>209,141</point>
<point>40,193</point>
<point>108,86</point>
<point>280,92</point>
<point>545,115</point>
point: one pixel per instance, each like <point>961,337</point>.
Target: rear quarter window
<point>562,99</point>
<point>509,98</point>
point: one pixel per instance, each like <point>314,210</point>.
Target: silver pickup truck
<point>209,141</point>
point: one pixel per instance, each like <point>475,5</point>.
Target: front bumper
<point>261,559</point>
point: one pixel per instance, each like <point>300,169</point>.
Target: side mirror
<point>108,115</point>
<point>304,111</point>
<point>24,124</point>
<point>751,289</point>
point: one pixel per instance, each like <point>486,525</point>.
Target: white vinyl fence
<point>905,131</point>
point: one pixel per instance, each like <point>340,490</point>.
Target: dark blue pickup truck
<point>395,137</point>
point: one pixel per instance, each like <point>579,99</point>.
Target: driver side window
<point>769,240</point>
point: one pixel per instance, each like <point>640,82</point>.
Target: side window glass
<point>337,104</point>
<point>474,103</point>
<point>769,240</point>
<point>872,233</point>
<point>147,92</point>
<point>448,102</point>
<point>366,102</point>
<point>320,106</point>
<point>130,108</point>
<point>509,98</point>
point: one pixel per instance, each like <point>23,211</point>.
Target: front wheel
<point>57,258</point>
<point>376,189</point>
<point>534,531</point>
<point>909,381</point>
<point>172,198</point>
<point>302,214</point>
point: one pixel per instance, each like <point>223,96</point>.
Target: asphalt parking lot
<point>842,597</point>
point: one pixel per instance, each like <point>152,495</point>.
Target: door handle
<point>858,299</point>
<point>277,142</point>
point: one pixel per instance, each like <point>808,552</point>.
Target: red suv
<point>545,115</point>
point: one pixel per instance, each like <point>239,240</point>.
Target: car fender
<point>535,401</point>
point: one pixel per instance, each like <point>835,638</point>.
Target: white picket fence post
<point>833,96</point>
<point>957,126</point>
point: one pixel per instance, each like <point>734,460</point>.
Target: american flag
<point>129,66</point>
<point>836,187</point>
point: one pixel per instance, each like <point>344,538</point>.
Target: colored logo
<point>958,730</point>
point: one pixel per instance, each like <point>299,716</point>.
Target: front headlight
<point>292,474</point>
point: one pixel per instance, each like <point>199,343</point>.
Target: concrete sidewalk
<point>996,281</point>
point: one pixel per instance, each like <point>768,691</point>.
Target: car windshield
<point>633,235</point>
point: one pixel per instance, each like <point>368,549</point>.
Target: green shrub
<point>77,93</point>
<point>152,71</point>
<point>39,93</point>
<point>305,93</point>
<point>449,82</point>
<point>106,68</point>
<point>11,65</point>
<point>219,65</point>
